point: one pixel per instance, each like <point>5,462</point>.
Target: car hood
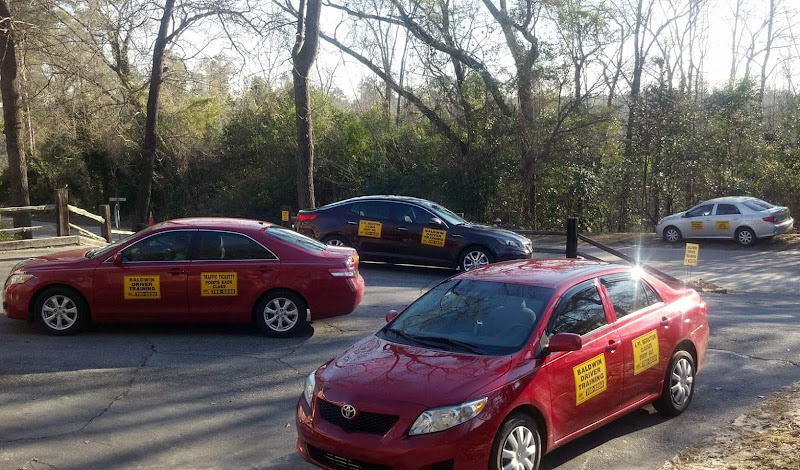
<point>402,373</point>
<point>66,258</point>
<point>498,232</point>
<point>672,217</point>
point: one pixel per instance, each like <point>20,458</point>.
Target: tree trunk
<point>303,54</point>
<point>9,87</point>
<point>151,123</point>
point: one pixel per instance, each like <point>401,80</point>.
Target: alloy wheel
<point>475,259</point>
<point>59,312</point>
<point>335,242</point>
<point>682,379</point>
<point>745,237</point>
<point>672,235</point>
<point>519,450</point>
<point>281,314</point>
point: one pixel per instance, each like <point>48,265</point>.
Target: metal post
<point>572,237</point>
<point>62,212</point>
<point>105,229</point>
<point>286,216</point>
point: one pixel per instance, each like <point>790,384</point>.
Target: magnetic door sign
<point>697,226</point>
<point>645,352</point>
<point>218,285</point>
<point>723,225</point>
<point>369,228</point>
<point>431,236</point>
<point>142,287</point>
<point>285,216</point>
<point>590,378</point>
<point>692,252</point>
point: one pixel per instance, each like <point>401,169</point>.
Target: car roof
<point>727,199</point>
<point>214,223</point>
<point>380,197</point>
<point>551,273</point>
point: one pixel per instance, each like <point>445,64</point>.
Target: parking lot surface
<point>181,396</point>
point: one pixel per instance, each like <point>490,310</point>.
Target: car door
<point>643,324</point>
<point>228,273</point>
<point>698,222</point>
<point>725,220</point>
<point>372,229</point>
<point>420,238</point>
<point>150,283</point>
<point>584,384</point>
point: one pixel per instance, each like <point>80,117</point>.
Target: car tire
<point>679,385</point>
<point>474,257</point>
<point>672,234</point>
<point>61,311</point>
<point>518,426</point>
<point>336,240</point>
<point>281,314</point>
<point>745,236</point>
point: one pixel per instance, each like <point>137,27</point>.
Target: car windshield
<point>447,215</point>
<point>109,248</point>
<point>757,204</point>
<point>293,238</point>
<point>478,317</point>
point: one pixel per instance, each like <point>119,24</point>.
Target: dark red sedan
<point>190,270</point>
<point>497,366</point>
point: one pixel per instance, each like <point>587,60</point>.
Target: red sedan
<point>497,366</point>
<point>190,270</point>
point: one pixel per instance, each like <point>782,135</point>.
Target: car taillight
<point>349,271</point>
<point>303,217</point>
<point>769,219</point>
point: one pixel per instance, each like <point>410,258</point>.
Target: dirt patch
<point>765,437</point>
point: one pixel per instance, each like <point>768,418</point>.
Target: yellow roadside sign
<point>692,251</point>
<point>285,216</point>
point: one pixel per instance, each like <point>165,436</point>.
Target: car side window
<point>701,211</point>
<point>627,294</point>
<point>165,246</point>
<point>727,209</point>
<point>372,210</point>
<point>580,312</point>
<point>406,213</point>
<point>229,246</point>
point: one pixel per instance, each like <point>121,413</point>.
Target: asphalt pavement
<point>180,396</point>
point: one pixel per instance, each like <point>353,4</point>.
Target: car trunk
<point>781,214</point>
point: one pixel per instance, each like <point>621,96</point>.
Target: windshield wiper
<point>89,254</point>
<point>451,342</point>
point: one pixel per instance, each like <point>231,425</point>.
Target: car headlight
<point>18,278</point>
<point>439,419</point>
<point>513,244</point>
<point>308,387</point>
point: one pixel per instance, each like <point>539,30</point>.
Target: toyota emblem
<point>348,411</point>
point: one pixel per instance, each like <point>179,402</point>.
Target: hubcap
<point>475,259</point>
<point>281,314</point>
<point>745,237</point>
<point>519,450</point>
<point>672,235</point>
<point>335,242</point>
<point>681,382</point>
<point>59,312</point>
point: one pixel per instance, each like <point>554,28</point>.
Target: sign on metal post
<point>692,252</point>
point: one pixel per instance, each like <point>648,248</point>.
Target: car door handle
<point>176,271</point>
<point>665,321</point>
<point>612,345</point>
<point>352,222</point>
<point>458,236</point>
<point>402,229</point>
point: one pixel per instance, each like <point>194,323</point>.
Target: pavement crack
<point>747,356</point>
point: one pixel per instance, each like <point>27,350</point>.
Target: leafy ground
<point>764,438</point>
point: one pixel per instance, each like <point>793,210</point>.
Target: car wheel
<point>474,257</point>
<point>678,385</point>
<point>672,234</point>
<point>518,444</point>
<point>745,236</point>
<point>281,314</point>
<point>61,311</point>
<point>336,240</point>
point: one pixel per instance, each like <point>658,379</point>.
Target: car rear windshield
<point>757,204</point>
<point>468,316</point>
<point>293,238</point>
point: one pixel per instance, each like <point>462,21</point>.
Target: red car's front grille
<point>341,463</point>
<point>366,422</point>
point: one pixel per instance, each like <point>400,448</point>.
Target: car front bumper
<point>17,299</point>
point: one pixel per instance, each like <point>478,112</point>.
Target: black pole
<point>572,237</point>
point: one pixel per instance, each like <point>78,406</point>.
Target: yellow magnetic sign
<point>369,228</point>
<point>590,378</point>
<point>645,352</point>
<point>433,237</point>
<point>697,226</point>
<point>692,252</point>
<point>285,216</point>
<point>218,285</point>
<point>142,287</point>
<point>723,225</point>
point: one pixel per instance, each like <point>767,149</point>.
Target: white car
<point>744,219</point>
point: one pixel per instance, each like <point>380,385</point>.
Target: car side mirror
<point>117,259</point>
<point>435,221</point>
<point>565,342</point>
<point>391,315</point>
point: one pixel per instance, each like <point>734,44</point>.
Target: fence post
<point>105,228</point>
<point>286,216</point>
<point>62,212</point>
<point>572,237</point>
